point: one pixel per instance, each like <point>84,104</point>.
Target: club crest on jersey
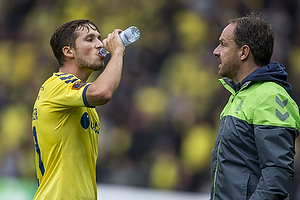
<point>78,85</point>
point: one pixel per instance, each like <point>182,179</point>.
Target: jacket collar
<point>273,71</point>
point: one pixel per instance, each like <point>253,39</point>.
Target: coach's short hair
<point>256,32</point>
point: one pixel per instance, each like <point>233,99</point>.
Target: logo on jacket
<point>282,104</point>
<point>239,107</point>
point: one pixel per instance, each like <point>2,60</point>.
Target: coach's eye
<point>89,39</point>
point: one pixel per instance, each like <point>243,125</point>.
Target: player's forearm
<point>102,89</point>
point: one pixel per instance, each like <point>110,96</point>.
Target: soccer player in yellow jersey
<point>65,124</point>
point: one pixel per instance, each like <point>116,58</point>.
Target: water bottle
<point>127,36</point>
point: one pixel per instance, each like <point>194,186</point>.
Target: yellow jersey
<point>65,132</point>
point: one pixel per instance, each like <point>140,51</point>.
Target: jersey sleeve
<point>66,90</point>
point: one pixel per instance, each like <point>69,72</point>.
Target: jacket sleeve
<point>275,134</point>
<point>276,152</point>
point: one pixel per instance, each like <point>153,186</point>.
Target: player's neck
<point>81,73</point>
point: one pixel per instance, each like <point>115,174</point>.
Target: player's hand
<point>113,44</point>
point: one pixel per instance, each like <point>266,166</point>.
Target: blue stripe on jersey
<point>37,148</point>
<point>71,81</point>
<point>60,74</point>
<point>84,97</point>
<point>66,77</point>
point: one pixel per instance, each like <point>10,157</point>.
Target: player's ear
<point>68,52</point>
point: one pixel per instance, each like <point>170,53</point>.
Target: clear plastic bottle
<point>127,36</point>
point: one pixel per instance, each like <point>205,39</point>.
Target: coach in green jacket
<point>253,157</point>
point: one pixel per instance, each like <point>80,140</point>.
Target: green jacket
<point>253,157</point>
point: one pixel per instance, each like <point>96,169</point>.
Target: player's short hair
<point>66,35</point>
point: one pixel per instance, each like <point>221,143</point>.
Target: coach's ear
<point>245,51</point>
<point>68,52</point>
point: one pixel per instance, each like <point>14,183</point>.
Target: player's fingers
<point>104,41</point>
<point>117,31</point>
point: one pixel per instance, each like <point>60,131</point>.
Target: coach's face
<point>88,44</point>
<point>227,53</point>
